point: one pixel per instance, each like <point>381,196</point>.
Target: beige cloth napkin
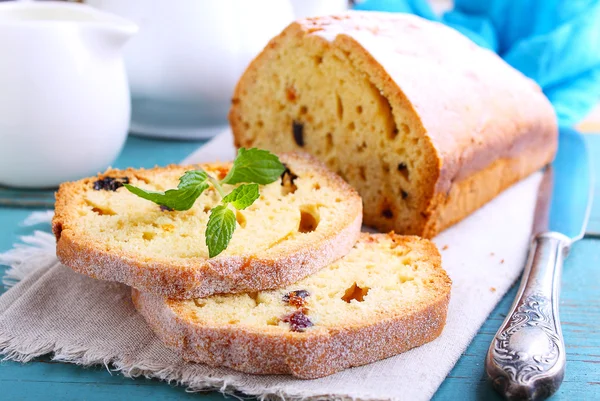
<point>84,321</point>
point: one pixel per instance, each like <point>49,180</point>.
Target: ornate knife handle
<point>526,360</point>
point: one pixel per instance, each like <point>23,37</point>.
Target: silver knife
<point>526,359</point>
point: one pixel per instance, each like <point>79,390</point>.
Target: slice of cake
<point>389,294</point>
<point>306,219</point>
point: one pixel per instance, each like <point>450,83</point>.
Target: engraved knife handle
<point>526,359</point>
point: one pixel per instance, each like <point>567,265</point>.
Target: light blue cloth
<point>554,42</point>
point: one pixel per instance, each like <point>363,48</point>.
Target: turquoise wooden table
<point>44,379</point>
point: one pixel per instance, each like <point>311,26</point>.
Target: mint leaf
<point>219,230</point>
<point>191,184</point>
<point>254,166</point>
<point>243,196</point>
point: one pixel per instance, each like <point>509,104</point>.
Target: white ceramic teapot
<point>188,56</point>
<point>64,96</point>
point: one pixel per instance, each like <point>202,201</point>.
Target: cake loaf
<point>387,295</point>
<point>425,124</point>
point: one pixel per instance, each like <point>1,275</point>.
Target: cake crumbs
<point>492,253</point>
<point>492,289</point>
<point>502,261</point>
<point>444,247</point>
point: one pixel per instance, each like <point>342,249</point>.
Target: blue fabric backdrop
<point>554,42</point>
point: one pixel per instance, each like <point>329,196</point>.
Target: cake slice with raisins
<point>387,295</point>
<point>306,219</point>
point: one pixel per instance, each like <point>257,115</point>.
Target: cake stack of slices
<point>298,290</point>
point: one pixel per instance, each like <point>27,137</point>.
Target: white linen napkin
<point>84,321</point>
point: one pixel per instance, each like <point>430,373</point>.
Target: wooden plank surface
<point>580,312</point>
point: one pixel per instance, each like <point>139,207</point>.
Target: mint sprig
<point>251,167</point>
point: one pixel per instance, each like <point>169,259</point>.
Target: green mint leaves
<point>220,228</point>
<point>254,165</point>
<point>243,196</point>
<point>221,222</point>
<point>251,167</point>
<point>191,185</point>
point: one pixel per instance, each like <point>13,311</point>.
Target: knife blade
<point>573,186</point>
<point>526,359</point>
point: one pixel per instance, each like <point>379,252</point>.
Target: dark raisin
<point>165,208</point>
<point>387,213</point>
<point>287,180</point>
<point>403,169</point>
<point>298,131</point>
<point>298,320</point>
<point>404,194</point>
<point>110,183</point>
<point>296,298</point>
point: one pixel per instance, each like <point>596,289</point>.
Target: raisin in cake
<point>389,294</point>
<point>425,124</point>
<point>302,222</point>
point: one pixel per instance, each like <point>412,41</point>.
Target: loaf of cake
<point>387,295</point>
<point>306,219</point>
<point>426,125</point>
